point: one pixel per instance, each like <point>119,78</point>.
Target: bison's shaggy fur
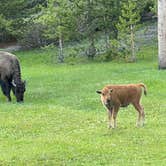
<point>10,76</point>
<point>115,96</point>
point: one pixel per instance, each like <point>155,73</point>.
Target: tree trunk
<point>107,40</point>
<point>162,34</point>
<point>92,50</point>
<point>133,57</point>
<point>60,56</point>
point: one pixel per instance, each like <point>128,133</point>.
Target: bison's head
<point>18,90</point>
<point>106,96</point>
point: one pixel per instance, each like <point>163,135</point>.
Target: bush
<point>33,37</point>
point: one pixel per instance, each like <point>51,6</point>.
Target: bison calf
<point>115,96</point>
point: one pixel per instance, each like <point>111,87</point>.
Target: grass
<point>62,121</point>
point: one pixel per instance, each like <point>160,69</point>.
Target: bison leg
<point>141,114</point>
<point>114,115</point>
<point>109,111</point>
<point>6,90</point>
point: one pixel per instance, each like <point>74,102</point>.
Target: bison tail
<point>145,89</point>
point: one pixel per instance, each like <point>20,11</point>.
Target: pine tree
<point>58,17</point>
<point>127,26</point>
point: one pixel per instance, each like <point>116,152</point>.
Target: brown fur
<point>115,96</point>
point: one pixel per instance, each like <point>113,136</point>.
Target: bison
<point>10,76</point>
<point>115,96</point>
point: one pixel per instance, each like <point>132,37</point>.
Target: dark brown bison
<point>10,76</point>
<point>115,96</point>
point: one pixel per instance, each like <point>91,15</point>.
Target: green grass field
<point>62,121</point>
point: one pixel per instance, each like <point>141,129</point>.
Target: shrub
<point>32,37</point>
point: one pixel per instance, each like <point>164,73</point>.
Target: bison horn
<point>13,83</point>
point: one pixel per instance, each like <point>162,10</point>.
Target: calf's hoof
<point>111,127</point>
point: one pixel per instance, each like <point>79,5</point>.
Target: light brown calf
<point>115,96</point>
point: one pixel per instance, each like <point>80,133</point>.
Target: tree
<point>127,26</point>
<point>97,15</point>
<point>162,34</point>
<point>108,15</point>
<point>5,28</point>
<point>87,22</point>
<point>15,16</point>
<point>58,17</point>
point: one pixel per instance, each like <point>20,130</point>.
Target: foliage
<point>36,23</point>
<point>153,7</point>
<point>112,52</point>
<point>32,36</point>
<point>59,19</point>
<point>5,27</point>
<point>93,16</point>
<point>19,13</point>
<point>127,27</point>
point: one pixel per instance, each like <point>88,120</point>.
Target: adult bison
<point>115,96</point>
<point>10,76</point>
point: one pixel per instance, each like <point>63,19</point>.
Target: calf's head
<point>105,95</point>
<point>18,90</point>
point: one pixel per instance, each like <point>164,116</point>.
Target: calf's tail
<point>145,89</point>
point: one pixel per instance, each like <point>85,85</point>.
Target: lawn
<point>62,121</point>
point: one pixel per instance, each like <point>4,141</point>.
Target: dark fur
<point>10,76</point>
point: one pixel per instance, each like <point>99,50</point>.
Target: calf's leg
<point>109,111</point>
<point>141,114</point>
<point>114,115</point>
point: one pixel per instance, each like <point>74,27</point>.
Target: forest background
<point>95,29</point>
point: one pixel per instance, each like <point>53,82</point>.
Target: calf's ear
<point>111,90</point>
<point>98,91</point>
